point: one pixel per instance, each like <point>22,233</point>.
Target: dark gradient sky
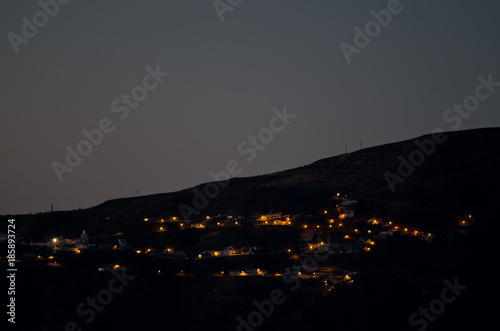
<point>225,79</point>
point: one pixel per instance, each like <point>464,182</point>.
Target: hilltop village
<point>310,254</point>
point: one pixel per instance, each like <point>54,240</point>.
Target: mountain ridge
<point>440,189</point>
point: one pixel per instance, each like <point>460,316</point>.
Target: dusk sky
<point>225,79</point>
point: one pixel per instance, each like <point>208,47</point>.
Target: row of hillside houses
<point>248,272</point>
<point>347,202</point>
<point>348,247</point>
<point>231,251</point>
<point>61,244</point>
<point>225,252</point>
<point>228,220</point>
<point>274,219</point>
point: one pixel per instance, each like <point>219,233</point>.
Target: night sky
<point>225,78</point>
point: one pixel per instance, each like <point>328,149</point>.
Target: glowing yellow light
<point>326,211</point>
<point>236,223</point>
<point>317,226</point>
<point>138,252</point>
<point>199,256</point>
<point>369,231</point>
<point>305,226</point>
<point>146,219</point>
<point>346,236</point>
<point>338,194</point>
<point>174,218</point>
<point>54,240</point>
